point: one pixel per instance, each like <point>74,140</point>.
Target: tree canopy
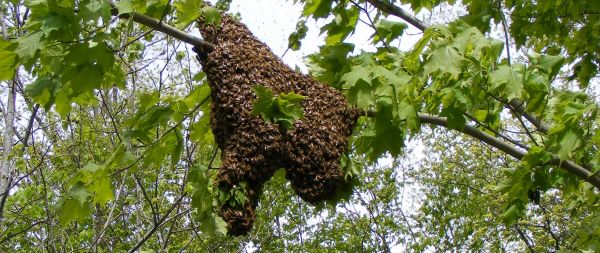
<point>483,136</point>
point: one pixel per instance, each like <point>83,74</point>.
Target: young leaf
<point>388,30</point>
<point>263,105</point>
<point>506,80</point>
<point>124,6</point>
<point>284,109</point>
<point>317,8</point>
<point>294,40</point>
<point>187,11</point>
<point>211,15</point>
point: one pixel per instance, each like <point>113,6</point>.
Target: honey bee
<point>252,149</point>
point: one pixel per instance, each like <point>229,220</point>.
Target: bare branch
<point>161,222</point>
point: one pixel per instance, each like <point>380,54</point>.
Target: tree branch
<point>9,118</point>
<point>161,222</point>
<point>592,178</point>
<point>398,12</point>
<point>164,28</point>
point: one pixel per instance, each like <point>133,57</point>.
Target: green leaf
<point>569,141</point>
<point>513,213</point>
<point>202,200</point>
<point>28,45</point>
<point>341,26</point>
<point>283,109</point>
<point>95,9</point>
<point>551,64</point>
<point>211,15</point>
<point>188,11</point>
<point>8,60</point>
<point>506,80</point>
<point>263,105</point>
<point>147,120</point>
<point>124,6</point>
<point>537,156</point>
<point>97,181</point>
<point>317,8</point>
<point>358,82</point>
<point>84,78</point>
<point>332,61</point>
<point>201,131</point>
<point>287,109</point>
<point>71,210</point>
<point>63,104</point>
<point>294,40</point>
<point>177,148</point>
<point>360,95</point>
<point>356,74</point>
<point>43,90</point>
<point>75,206</point>
<point>408,114</point>
<point>388,30</point>
<point>279,176</point>
<point>455,116</point>
<point>445,60</point>
<point>389,137</point>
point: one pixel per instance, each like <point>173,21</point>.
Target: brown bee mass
<point>253,149</point>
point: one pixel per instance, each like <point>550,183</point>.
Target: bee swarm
<point>252,149</point>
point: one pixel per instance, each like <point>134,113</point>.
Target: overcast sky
<point>272,21</point>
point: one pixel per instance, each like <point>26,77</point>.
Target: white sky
<point>272,21</point>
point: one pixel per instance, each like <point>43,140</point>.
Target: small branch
<point>162,221</point>
<point>154,212</point>
<point>25,230</point>
<point>505,28</point>
<point>524,238</point>
<point>496,132</point>
<point>548,229</point>
<point>29,131</point>
<point>571,167</point>
<point>519,107</point>
<point>372,24</point>
<point>109,220</point>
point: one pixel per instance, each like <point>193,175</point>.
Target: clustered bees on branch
<point>252,149</point>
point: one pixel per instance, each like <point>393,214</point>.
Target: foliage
<point>283,109</point>
<point>112,139</point>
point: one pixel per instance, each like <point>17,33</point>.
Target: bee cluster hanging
<point>252,149</point>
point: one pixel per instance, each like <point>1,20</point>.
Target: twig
<point>161,222</point>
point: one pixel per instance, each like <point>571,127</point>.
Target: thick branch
<point>9,118</point>
<point>164,28</point>
<point>399,12</point>
<point>569,166</point>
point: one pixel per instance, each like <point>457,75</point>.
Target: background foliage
<point>107,145</point>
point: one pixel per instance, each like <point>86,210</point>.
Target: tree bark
<point>9,117</point>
